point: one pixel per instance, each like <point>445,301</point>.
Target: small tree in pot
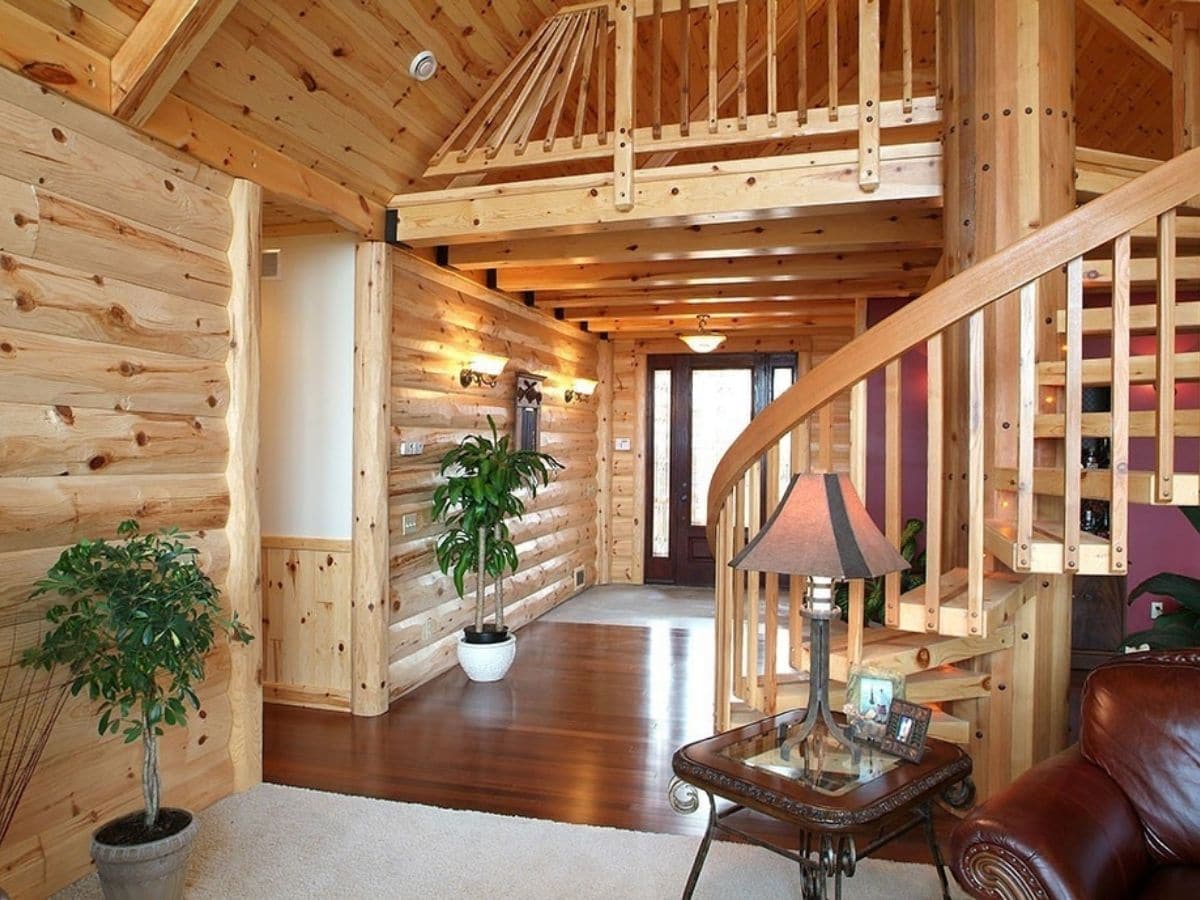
<point>484,479</point>
<point>140,620</point>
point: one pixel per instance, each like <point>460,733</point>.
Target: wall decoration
<point>527,427</point>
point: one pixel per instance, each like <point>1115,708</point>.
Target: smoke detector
<point>423,66</point>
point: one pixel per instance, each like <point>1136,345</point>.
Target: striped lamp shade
<point>820,529</point>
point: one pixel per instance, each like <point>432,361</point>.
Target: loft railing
<point>1024,480</point>
<point>640,81</point>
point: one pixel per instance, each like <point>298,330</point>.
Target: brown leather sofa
<point>1116,816</point>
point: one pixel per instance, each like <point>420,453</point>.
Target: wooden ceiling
<point>324,84</point>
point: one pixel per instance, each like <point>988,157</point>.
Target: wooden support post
<point>773,61</point>
<point>656,66</point>
<point>802,61</point>
<point>624,107</point>
<point>685,69</point>
<point>604,416</point>
<point>243,588</point>
<point>906,52</point>
<point>742,74</point>
<point>868,94</point>
<point>372,431</point>
<point>1119,449</point>
<point>714,32</point>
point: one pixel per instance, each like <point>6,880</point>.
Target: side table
<point>824,793</point>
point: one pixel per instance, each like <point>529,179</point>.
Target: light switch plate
<point>622,444</point>
<point>408,523</point>
<point>411,448</point>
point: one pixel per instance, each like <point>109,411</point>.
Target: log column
<point>372,427</point>
<point>1185,44</point>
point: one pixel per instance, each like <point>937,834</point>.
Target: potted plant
<point>1179,628</point>
<point>139,619</point>
<point>484,480</point>
<point>874,595</point>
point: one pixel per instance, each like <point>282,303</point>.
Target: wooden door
<point>697,405</point>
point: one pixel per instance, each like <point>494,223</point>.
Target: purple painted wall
<point>1160,538</point>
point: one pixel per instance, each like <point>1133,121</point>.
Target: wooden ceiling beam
<point>756,269</point>
<point>38,51</point>
<point>157,52</point>
<point>755,323</point>
<point>700,194</point>
<point>797,290</point>
<point>1139,33</point>
<point>879,230</point>
<point>823,310</point>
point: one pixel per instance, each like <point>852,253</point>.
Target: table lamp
<point>821,531</point>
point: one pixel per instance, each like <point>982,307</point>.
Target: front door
<point>697,406</point>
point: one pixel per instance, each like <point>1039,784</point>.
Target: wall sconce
<point>582,391</point>
<point>483,370</point>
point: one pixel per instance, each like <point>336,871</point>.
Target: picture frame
<point>870,691</point>
<point>907,730</point>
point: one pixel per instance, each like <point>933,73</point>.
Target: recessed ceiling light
<point>423,66</point>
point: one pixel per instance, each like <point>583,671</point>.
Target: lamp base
<point>818,688</point>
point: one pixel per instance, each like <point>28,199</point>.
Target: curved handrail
<point>1163,188</point>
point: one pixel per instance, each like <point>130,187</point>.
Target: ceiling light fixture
<point>423,66</point>
<point>704,341</point>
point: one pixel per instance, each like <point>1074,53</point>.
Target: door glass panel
<point>781,380</point>
<point>661,522</point>
<point>722,402</point>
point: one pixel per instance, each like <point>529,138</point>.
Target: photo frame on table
<point>907,730</point>
<point>869,695</point>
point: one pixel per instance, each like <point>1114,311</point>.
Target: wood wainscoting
<point>306,622</point>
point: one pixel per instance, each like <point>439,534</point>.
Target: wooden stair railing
<point>1022,514</point>
<point>576,91</point>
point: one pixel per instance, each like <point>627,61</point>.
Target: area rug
<point>283,842</point>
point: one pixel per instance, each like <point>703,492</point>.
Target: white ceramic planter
<point>487,662</point>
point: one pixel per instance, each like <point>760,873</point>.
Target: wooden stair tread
<point>1046,553</point>
<point>1003,595</point>
<point>1096,484</point>
<point>908,652</point>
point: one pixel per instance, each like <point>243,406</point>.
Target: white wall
<point>308,388</point>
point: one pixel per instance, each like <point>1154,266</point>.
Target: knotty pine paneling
<point>115,280</point>
<point>628,476</point>
<point>439,319</point>
<point>306,622</point>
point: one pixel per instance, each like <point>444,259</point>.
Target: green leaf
<point>1182,588</point>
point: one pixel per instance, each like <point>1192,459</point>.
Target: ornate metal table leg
<point>960,795</point>
<point>702,853</point>
<point>926,814</point>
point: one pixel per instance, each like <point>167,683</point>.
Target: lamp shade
<point>821,529</point>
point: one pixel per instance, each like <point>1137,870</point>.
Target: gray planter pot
<point>150,871</point>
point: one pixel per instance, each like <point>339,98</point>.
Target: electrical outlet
<point>1156,608</point>
<point>622,444</point>
<point>408,523</point>
<point>411,448</point>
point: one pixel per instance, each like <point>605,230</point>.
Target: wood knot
<point>49,73</point>
<point>6,348</point>
<point>211,401</point>
<point>310,83</point>
<point>130,369</point>
<point>97,462</point>
<point>168,184</point>
<point>66,414</point>
<point>7,263</point>
<point>141,439</point>
<point>923,657</point>
<point>118,314</point>
<point>58,135</point>
<point>25,301</point>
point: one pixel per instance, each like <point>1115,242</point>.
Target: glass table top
<point>820,763</point>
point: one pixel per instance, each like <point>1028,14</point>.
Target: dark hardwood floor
<point>582,730</point>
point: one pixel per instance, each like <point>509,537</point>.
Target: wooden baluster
<point>771,602</point>
<point>753,581</point>
<point>831,40</point>
<point>585,78</point>
<point>685,69</point>
<point>1118,522</point>
<point>935,479</point>
<point>623,153</point>
<point>739,591</point>
<point>825,438</point>
<point>802,61</point>
<point>856,620</point>
<point>656,68</point>
<point>552,79</point>
<point>725,578</point>
<point>1164,469</point>
<point>713,61</point>
<point>742,74</point>
<point>937,52</point>
<point>906,53</point>
<point>582,36</point>
<point>801,452</point>
<point>602,76</point>
<point>975,474</point>
<point>868,94</point>
<point>893,516</point>
<point>773,63</point>
<point>1073,431</point>
<point>542,74</point>
<point>1026,413</point>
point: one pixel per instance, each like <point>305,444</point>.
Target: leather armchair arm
<point>1063,830</point>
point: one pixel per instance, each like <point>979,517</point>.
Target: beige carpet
<point>281,842</point>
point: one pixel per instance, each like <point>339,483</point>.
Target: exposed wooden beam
<point>222,146</point>
<point>700,194</point>
<point>754,269</point>
<point>1137,31</point>
<point>158,51</point>
<point>879,230</point>
<point>765,324</point>
<point>794,290</point>
<point>810,310</point>
<point>38,51</point>
<point>1100,171</point>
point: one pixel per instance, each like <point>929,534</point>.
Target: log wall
<point>626,510</point>
<point>125,271</point>
<point>439,319</point>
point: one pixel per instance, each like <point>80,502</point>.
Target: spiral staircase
<point>986,640</point>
